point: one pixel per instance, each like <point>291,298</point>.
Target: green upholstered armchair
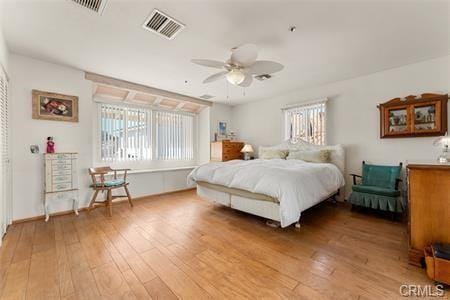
<point>377,188</point>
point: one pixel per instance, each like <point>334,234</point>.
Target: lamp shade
<point>443,140</point>
<point>247,148</point>
<point>235,77</point>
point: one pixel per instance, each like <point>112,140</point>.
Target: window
<point>125,133</point>
<point>306,122</point>
<point>174,136</point>
<point>130,133</point>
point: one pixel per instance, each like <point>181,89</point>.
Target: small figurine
<point>50,145</point>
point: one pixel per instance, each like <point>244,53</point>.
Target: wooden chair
<point>99,183</point>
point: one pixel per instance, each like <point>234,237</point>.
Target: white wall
<point>204,135</point>
<point>27,74</point>
<point>4,53</point>
<point>220,112</point>
<point>353,117</point>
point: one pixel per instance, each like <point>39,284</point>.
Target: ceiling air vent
<point>263,77</point>
<point>206,97</point>
<point>162,24</point>
<point>95,5</point>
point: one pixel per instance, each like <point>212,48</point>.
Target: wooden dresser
<point>428,207</point>
<point>226,150</point>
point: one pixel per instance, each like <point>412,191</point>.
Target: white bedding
<point>296,184</point>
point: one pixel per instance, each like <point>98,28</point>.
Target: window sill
<point>141,171</point>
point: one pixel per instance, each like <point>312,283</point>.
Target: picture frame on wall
<point>222,128</point>
<point>54,106</point>
<point>413,116</point>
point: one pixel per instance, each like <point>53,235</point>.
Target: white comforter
<point>296,184</point>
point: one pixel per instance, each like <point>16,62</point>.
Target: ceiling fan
<point>241,67</point>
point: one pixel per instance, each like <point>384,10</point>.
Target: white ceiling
<point>334,40</point>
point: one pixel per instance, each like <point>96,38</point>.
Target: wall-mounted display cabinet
<point>414,116</point>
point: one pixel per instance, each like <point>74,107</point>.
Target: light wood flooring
<point>181,246</point>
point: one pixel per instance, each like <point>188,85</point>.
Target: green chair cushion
<point>110,183</point>
<point>380,176</point>
<point>375,190</point>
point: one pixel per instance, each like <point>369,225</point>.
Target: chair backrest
<point>98,174</point>
<point>99,170</point>
<point>381,176</point>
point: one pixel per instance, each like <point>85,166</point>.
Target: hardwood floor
<point>179,246</point>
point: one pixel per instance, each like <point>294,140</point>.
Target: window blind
<point>5,169</point>
<point>125,133</point>
<point>174,136</point>
<point>306,122</point>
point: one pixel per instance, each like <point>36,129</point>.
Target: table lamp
<point>445,142</point>
<point>247,149</point>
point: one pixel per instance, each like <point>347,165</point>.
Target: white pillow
<point>315,156</point>
<point>337,152</point>
<point>267,153</point>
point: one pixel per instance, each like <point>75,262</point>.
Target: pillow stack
<point>266,153</point>
<point>315,156</point>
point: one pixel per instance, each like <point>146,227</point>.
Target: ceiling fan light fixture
<point>235,77</point>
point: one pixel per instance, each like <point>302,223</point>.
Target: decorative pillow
<point>266,153</point>
<point>315,156</point>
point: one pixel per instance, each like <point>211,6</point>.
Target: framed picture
<point>425,118</point>
<point>222,130</point>
<point>414,116</point>
<point>398,120</point>
<point>55,107</point>
<point>34,149</point>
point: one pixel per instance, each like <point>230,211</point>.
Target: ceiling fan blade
<point>215,77</point>
<point>264,67</point>
<point>247,81</point>
<point>209,63</point>
<point>244,55</point>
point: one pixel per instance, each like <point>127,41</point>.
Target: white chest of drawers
<point>61,180</point>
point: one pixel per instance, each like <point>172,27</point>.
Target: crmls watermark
<point>416,290</point>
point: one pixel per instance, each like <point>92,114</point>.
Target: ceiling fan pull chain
<point>228,91</point>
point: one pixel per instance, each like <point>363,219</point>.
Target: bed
<point>276,189</point>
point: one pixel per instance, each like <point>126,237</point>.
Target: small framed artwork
<point>34,149</point>
<point>222,130</point>
<point>54,107</point>
<point>398,120</point>
<point>425,118</point>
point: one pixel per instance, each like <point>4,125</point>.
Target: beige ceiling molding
<point>117,90</point>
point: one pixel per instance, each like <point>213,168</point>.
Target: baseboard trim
<point>82,209</point>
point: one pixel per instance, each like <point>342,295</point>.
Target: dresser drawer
<point>61,167</point>
<point>60,179</point>
<point>62,172</point>
<point>62,156</point>
<point>59,156</point>
<point>61,186</point>
<point>61,162</point>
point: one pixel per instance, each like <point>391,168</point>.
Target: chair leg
<point>94,197</point>
<point>110,202</point>
<point>106,200</point>
<point>128,195</point>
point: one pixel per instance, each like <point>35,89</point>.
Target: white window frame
<point>153,163</point>
<point>301,106</point>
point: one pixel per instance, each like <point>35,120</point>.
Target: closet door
<point>5,159</point>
